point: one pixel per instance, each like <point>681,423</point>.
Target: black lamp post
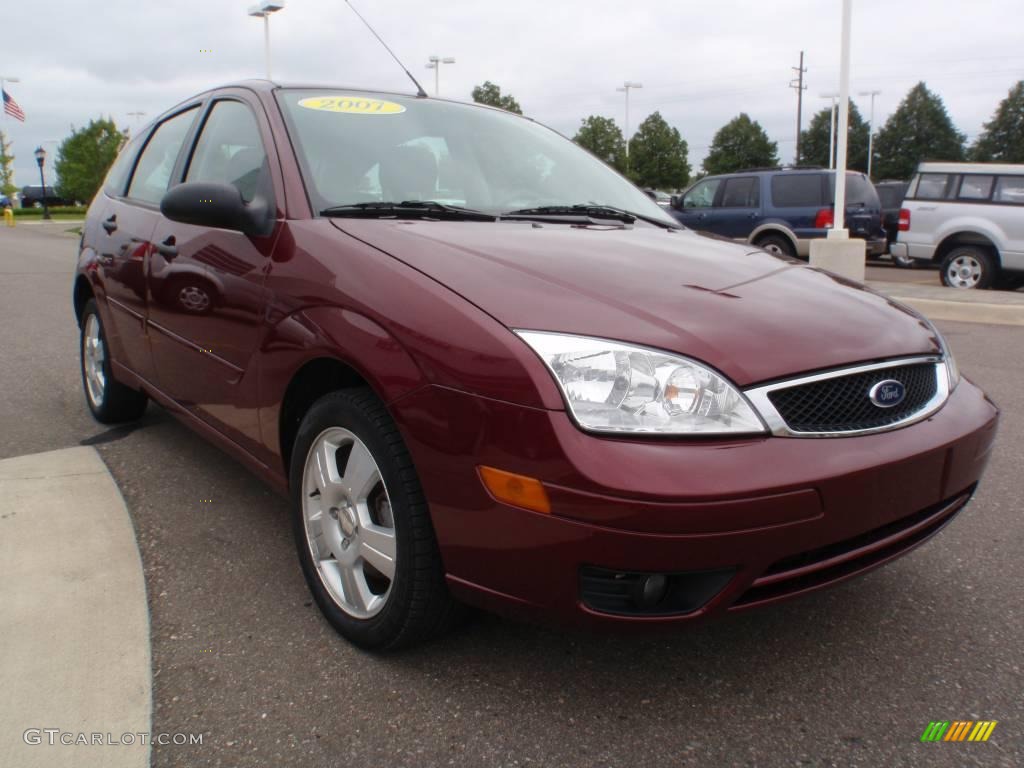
<point>41,158</point>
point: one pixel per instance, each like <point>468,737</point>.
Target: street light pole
<point>839,216</point>
<point>435,64</point>
<point>831,130</point>
<point>263,11</point>
<point>626,86</point>
<point>41,158</point>
<point>871,127</point>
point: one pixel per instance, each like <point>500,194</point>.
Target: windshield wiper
<point>586,211</point>
<point>430,209</point>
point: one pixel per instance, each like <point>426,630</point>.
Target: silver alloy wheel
<point>964,272</point>
<point>775,249</point>
<point>93,357</point>
<point>350,529</point>
<point>193,299</point>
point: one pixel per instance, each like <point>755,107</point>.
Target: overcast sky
<point>700,63</point>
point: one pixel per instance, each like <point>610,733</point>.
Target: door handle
<point>167,248</point>
<point>110,224</point>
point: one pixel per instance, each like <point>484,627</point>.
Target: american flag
<point>11,108</point>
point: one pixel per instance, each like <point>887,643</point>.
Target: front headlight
<point>613,387</point>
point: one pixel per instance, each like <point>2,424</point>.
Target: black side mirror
<point>675,201</point>
<point>206,204</point>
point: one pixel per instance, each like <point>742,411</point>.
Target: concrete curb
<point>75,626</point>
<point>938,303</point>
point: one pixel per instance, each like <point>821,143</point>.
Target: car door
<point>697,204</point>
<point>738,208</point>
<point>128,218</point>
<point>207,285</point>
<point>1008,213</point>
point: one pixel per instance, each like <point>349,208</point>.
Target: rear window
<point>891,197</point>
<point>1009,189</point>
<point>931,186</point>
<point>859,191</point>
<point>976,187</point>
<point>796,191</point>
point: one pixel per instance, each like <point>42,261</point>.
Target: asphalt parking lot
<point>849,676</point>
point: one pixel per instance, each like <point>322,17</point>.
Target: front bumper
<point>784,515</point>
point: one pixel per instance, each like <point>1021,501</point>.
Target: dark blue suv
<point>779,209</point>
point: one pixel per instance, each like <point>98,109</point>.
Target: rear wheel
<point>362,526</point>
<point>778,245</point>
<point>969,266</point>
<point>109,400</point>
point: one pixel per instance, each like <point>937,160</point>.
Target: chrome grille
<point>837,403</point>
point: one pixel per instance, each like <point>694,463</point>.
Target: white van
<point>969,218</point>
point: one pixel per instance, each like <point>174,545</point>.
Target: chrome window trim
<point>758,397</point>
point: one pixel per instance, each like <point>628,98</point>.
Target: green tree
<point>658,155</point>
<point>84,158</point>
<point>6,167</point>
<point>602,138</point>
<point>740,143</point>
<point>814,142</point>
<point>489,93</point>
<point>1002,140</point>
<point>920,129</point>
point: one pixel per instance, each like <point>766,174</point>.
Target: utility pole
<point>798,84</point>
<point>871,127</point>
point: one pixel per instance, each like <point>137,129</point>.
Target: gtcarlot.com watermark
<point>56,736</point>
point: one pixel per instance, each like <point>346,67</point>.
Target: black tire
<point>969,266</point>
<point>113,402</point>
<point>776,244</point>
<point>418,605</point>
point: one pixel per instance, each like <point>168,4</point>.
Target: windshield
<point>357,148</point>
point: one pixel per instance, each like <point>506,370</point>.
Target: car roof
<point>970,168</point>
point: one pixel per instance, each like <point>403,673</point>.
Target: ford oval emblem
<point>888,393</point>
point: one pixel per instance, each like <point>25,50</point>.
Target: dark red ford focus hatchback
<point>487,369</point>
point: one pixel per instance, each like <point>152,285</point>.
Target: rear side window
<point>1009,189</point>
<point>932,186</point>
<point>118,174</point>
<point>230,151</point>
<point>796,191</point>
<point>974,187</point>
<point>153,172</point>
<point>741,193</point>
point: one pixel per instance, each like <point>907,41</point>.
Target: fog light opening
<point>653,590</point>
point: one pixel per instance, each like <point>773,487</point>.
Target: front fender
<point>334,333</point>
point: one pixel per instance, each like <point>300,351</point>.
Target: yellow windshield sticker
<point>352,105</point>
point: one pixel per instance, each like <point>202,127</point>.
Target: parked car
<point>34,197</point>
<point>781,209</point>
<point>542,396</point>
<point>969,219</point>
<point>891,194</point>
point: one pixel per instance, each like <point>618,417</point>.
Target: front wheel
<point>109,400</point>
<point>362,526</point>
<point>969,266</point>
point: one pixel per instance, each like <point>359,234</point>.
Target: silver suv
<point>969,218</point>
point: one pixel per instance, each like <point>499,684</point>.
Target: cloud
<point>700,63</point>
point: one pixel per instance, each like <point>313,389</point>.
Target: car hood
<point>752,315</point>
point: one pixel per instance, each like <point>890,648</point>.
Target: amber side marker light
<point>517,490</point>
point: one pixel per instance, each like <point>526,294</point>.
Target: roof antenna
<point>419,88</point>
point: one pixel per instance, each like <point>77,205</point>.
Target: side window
<point>931,186</point>
<point>117,176</point>
<point>702,195</point>
<point>153,173</point>
<point>1009,189</point>
<point>742,193</point>
<point>801,190</point>
<point>230,151</point>
<point>975,187</point>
